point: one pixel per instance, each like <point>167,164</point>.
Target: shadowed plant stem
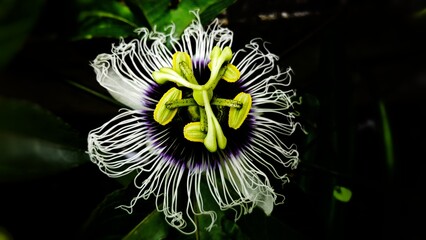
<point>387,140</point>
<point>97,94</point>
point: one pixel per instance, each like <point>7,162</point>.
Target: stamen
<point>162,114</point>
<point>182,64</point>
<point>192,132</point>
<point>172,104</point>
<point>227,103</point>
<point>237,116</point>
<point>181,57</point>
<point>232,74</point>
<point>208,129</point>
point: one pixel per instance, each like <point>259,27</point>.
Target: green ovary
<point>205,127</point>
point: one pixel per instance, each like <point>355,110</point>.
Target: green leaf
<point>35,143</point>
<point>153,227</point>
<point>107,221</point>
<point>257,225</point>
<point>225,227</point>
<point>342,194</point>
<point>162,13</point>
<point>17,18</point>
<point>112,19</point>
<point>387,140</point>
<point>95,24</point>
<point>4,235</point>
<point>116,19</point>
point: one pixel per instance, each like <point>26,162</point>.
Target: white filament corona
<point>237,180</point>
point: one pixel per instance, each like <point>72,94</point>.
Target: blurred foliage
<point>358,65</point>
<point>152,226</point>
<point>342,194</point>
<point>111,18</point>
<point>16,21</point>
<point>108,18</point>
<point>35,143</point>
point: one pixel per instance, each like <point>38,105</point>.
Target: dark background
<point>348,57</point>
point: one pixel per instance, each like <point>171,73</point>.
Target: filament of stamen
<point>227,103</point>
<point>172,104</point>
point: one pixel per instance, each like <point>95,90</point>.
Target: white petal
<point>127,72</point>
<point>121,88</point>
<point>264,201</point>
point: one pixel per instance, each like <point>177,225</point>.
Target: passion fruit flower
<point>198,115</point>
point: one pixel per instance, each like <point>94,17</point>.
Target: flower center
<point>205,127</point>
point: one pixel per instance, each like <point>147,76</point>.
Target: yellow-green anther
<point>229,73</point>
<point>232,74</point>
<point>162,114</point>
<point>237,116</point>
<point>181,57</point>
<point>168,74</point>
<point>192,132</point>
<point>182,64</point>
